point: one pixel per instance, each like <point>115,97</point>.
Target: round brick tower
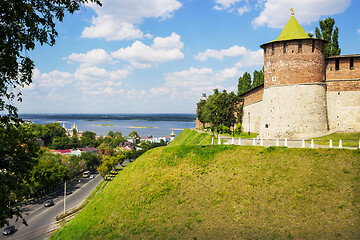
<point>294,100</point>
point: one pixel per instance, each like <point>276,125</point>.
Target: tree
<point>330,34</point>
<point>18,152</point>
<point>244,83</point>
<point>134,134</point>
<point>258,78</point>
<point>200,111</point>
<point>23,24</point>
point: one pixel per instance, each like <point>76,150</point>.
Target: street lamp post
<point>249,123</point>
<point>65,198</point>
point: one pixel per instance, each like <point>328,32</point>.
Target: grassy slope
<point>191,137</point>
<point>227,192</point>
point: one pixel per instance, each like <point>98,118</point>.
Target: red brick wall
<point>343,85</point>
<point>294,67</point>
<point>344,71</point>
<point>253,96</point>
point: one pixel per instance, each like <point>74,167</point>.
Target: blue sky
<point>158,56</point>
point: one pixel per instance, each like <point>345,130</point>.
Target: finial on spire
<point>292,11</point>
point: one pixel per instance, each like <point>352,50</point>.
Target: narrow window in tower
<point>264,49</point>
<point>285,46</point>
<point>300,47</point>
<point>272,47</point>
<point>351,63</point>
<point>337,64</point>
<point>313,46</point>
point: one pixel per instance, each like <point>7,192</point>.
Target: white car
<point>92,176</point>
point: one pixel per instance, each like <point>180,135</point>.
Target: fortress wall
<point>252,116</point>
<point>344,71</point>
<point>254,95</point>
<point>294,62</point>
<point>344,110</point>
<point>343,100</point>
<point>294,111</point>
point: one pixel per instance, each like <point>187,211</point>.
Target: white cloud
<point>95,56</point>
<point>194,81</point>
<point>244,9</point>
<point>251,59</point>
<point>220,54</point>
<point>52,79</point>
<point>306,11</point>
<point>358,31</point>
<point>225,4</point>
<point>140,55</point>
<point>86,72</point>
<point>116,20</point>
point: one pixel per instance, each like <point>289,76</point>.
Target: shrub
<point>239,128</point>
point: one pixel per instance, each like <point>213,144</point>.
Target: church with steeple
<point>304,94</point>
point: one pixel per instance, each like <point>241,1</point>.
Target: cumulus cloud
<point>117,20</point>
<point>85,72</point>
<point>225,4</point>
<point>306,11</point>
<point>95,56</point>
<point>194,81</point>
<point>220,54</point>
<point>52,79</point>
<point>251,59</point>
<point>140,55</point>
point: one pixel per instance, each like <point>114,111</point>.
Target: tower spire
<point>292,11</point>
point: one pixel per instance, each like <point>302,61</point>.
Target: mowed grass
<point>227,192</point>
<point>191,137</point>
<point>348,139</point>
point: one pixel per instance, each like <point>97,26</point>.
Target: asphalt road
<point>41,220</point>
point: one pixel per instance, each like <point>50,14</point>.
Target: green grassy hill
<point>191,137</point>
<point>227,192</point>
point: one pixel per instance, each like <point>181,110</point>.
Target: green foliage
<point>244,83</point>
<point>176,192</point>
<point>239,128</point>
<point>222,129</point>
<point>330,34</point>
<point>258,78</point>
<point>200,112</point>
<point>134,134</point>
<point>220,109</point>
<point>18,154</point>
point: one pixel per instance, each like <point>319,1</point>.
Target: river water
<point>103,126</point>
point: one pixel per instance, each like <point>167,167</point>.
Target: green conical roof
<point>292,30</point>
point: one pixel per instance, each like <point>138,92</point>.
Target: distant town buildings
<point>74,129</point>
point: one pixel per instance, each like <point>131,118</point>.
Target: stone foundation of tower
<point>294,111</point>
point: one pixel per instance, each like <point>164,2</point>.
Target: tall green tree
<point>330,34</point>
<point>24,23</point>
<point>200,111</point>
<point>258,78</point>
<point>244,83</point>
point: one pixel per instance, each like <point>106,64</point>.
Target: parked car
<point>92,176</point>
<point>68,192</point>
<point>9,230</point>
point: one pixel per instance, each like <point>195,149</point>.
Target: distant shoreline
<point>182,117</point>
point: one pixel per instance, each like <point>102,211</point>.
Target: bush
<point>223,129</point>
<point>239,128</point>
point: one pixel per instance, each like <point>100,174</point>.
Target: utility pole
<point>65,198</point>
